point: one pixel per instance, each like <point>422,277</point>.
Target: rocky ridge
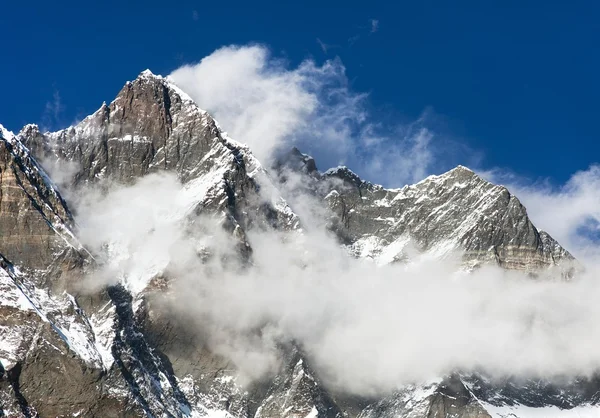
<point>457,211</point>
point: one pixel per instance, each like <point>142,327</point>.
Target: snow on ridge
<point>6,134</point>
<point>342,169</point>
<point>313,413</point>
<point>184,96</point>
<point>431,178</point>
<point>256,171</point>
<point>522,411</point>
<point>147,73</point>
<point>437,178</point>
<point>19,293</point>
<point>131,138</point>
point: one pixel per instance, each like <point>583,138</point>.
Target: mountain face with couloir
<point>115,351</point>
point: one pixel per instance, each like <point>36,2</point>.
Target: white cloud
<point>51,117</point>
<point>374,25</point>
<point>262,101</point>
<point>366,328</point>
<point>254,96</point>
<point>326,47</point>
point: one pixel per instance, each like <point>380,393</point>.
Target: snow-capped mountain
<point>112,352</point>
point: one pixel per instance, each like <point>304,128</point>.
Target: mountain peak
<point>30,129</point>
<point>460,174</point>
<point>5,133</point>
<point>297,161</point>
<point>148,74</point>
<point>344,173</point>
<point>459,171</point>
<point>462,168</point>
<point>148,78</point>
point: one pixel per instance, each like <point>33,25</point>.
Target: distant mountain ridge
<point>455,211</point>
<point>115,353</point>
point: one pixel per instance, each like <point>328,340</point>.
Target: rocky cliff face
<point>115,352</point>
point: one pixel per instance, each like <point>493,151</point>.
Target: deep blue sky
<point>515,80</point>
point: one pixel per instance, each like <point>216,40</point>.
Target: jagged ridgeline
<point>111,352</point>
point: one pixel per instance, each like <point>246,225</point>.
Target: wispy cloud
<point>263,102</point>
<point>374,25</point>
<point>326,47</point>
<point>52,114</point>
<point>54,107</point>
<point>195,15</point>
<point>353,39</point>
<point>369,29</point>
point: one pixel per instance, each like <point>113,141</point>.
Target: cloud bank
<point>366,329</point>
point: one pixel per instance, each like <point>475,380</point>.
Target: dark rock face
<point>115,352</point>
<point>43,373</point>
<point>38,375</point>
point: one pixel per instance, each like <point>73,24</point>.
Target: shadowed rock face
<point>117,353</point>
<point>296,393</point>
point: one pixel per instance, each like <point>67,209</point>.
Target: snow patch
<point>522,411</point>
